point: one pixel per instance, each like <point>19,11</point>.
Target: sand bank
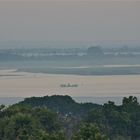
<point>31,84</point>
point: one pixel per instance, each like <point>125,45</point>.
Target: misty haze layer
<point>90,21</point>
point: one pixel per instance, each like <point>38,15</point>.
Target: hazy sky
<point>70,20</point>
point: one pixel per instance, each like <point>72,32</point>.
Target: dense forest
<point>61,118</point>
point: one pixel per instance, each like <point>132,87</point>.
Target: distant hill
<point>95,51</point>
<point>60,104</point>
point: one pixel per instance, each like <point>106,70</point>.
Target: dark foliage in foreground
<point>61,118</point>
